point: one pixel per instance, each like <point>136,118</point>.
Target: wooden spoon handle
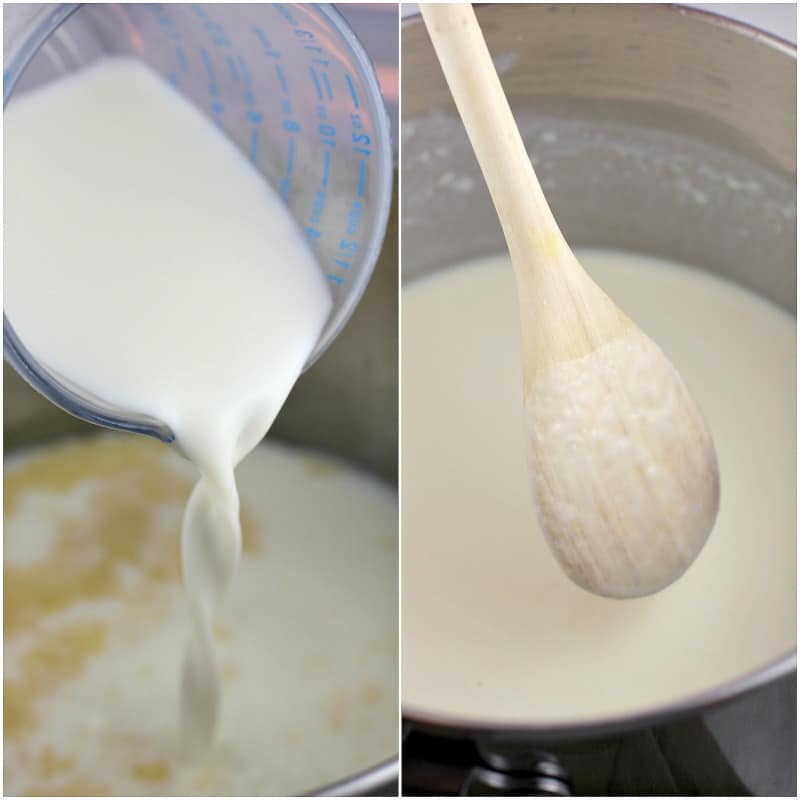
<point>528,224</point>
<point>564,314</point>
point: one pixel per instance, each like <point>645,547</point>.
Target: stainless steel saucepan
<point>654,129</point>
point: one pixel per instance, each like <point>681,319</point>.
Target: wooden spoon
<point>624,472</point>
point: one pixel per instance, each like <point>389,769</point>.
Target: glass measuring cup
<point>288,83</point>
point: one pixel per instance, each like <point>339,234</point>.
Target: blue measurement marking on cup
<point>352,88</point>
<point>290,124</point>
<point>362,177</point>
<point>286,14</point>
<point>222,64</point>
<point>251,113</point>
<point>317,84</point>
<point>232,68</point>
<point>326,168</point>
<point>326,131</point>
<point>265,43</point>
<point>222,43</point>
<point>223,69</point>
<point>215,98</point>
<point>182,60</point>
<point>348,246</point>
<point>253,145</point>
<point>360,142</point>
<point>244,71</point>
<point>168,28</point>
<point>215,30</point>
<point>165,23</point>
<point>213,89</point>
<point>327,84</point>
<point>281,79</point>
<point>327,138</point>
<point>286,183</point>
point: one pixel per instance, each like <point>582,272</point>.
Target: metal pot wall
<point>653,129</point>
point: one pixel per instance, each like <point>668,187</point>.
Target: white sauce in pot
<point>491,627</point>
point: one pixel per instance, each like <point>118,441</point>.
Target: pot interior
<point>654,131</point>
<point>639,144</point>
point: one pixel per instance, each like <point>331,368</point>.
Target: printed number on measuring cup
<point>348,245</point>
<point>359,139</point>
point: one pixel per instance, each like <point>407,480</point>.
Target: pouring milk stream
<point>148,263</point>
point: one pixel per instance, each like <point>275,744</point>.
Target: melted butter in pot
<point>95,620</point>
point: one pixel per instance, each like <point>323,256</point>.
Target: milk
<point>306,638</point>
<point>148,263</point>
<point>492,628</point>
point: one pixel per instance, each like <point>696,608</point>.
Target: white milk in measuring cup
<point>288,84</point>
<point>153,274</point>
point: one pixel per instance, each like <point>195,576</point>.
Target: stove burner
<point>681,758</point>
<point>434,765</point>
